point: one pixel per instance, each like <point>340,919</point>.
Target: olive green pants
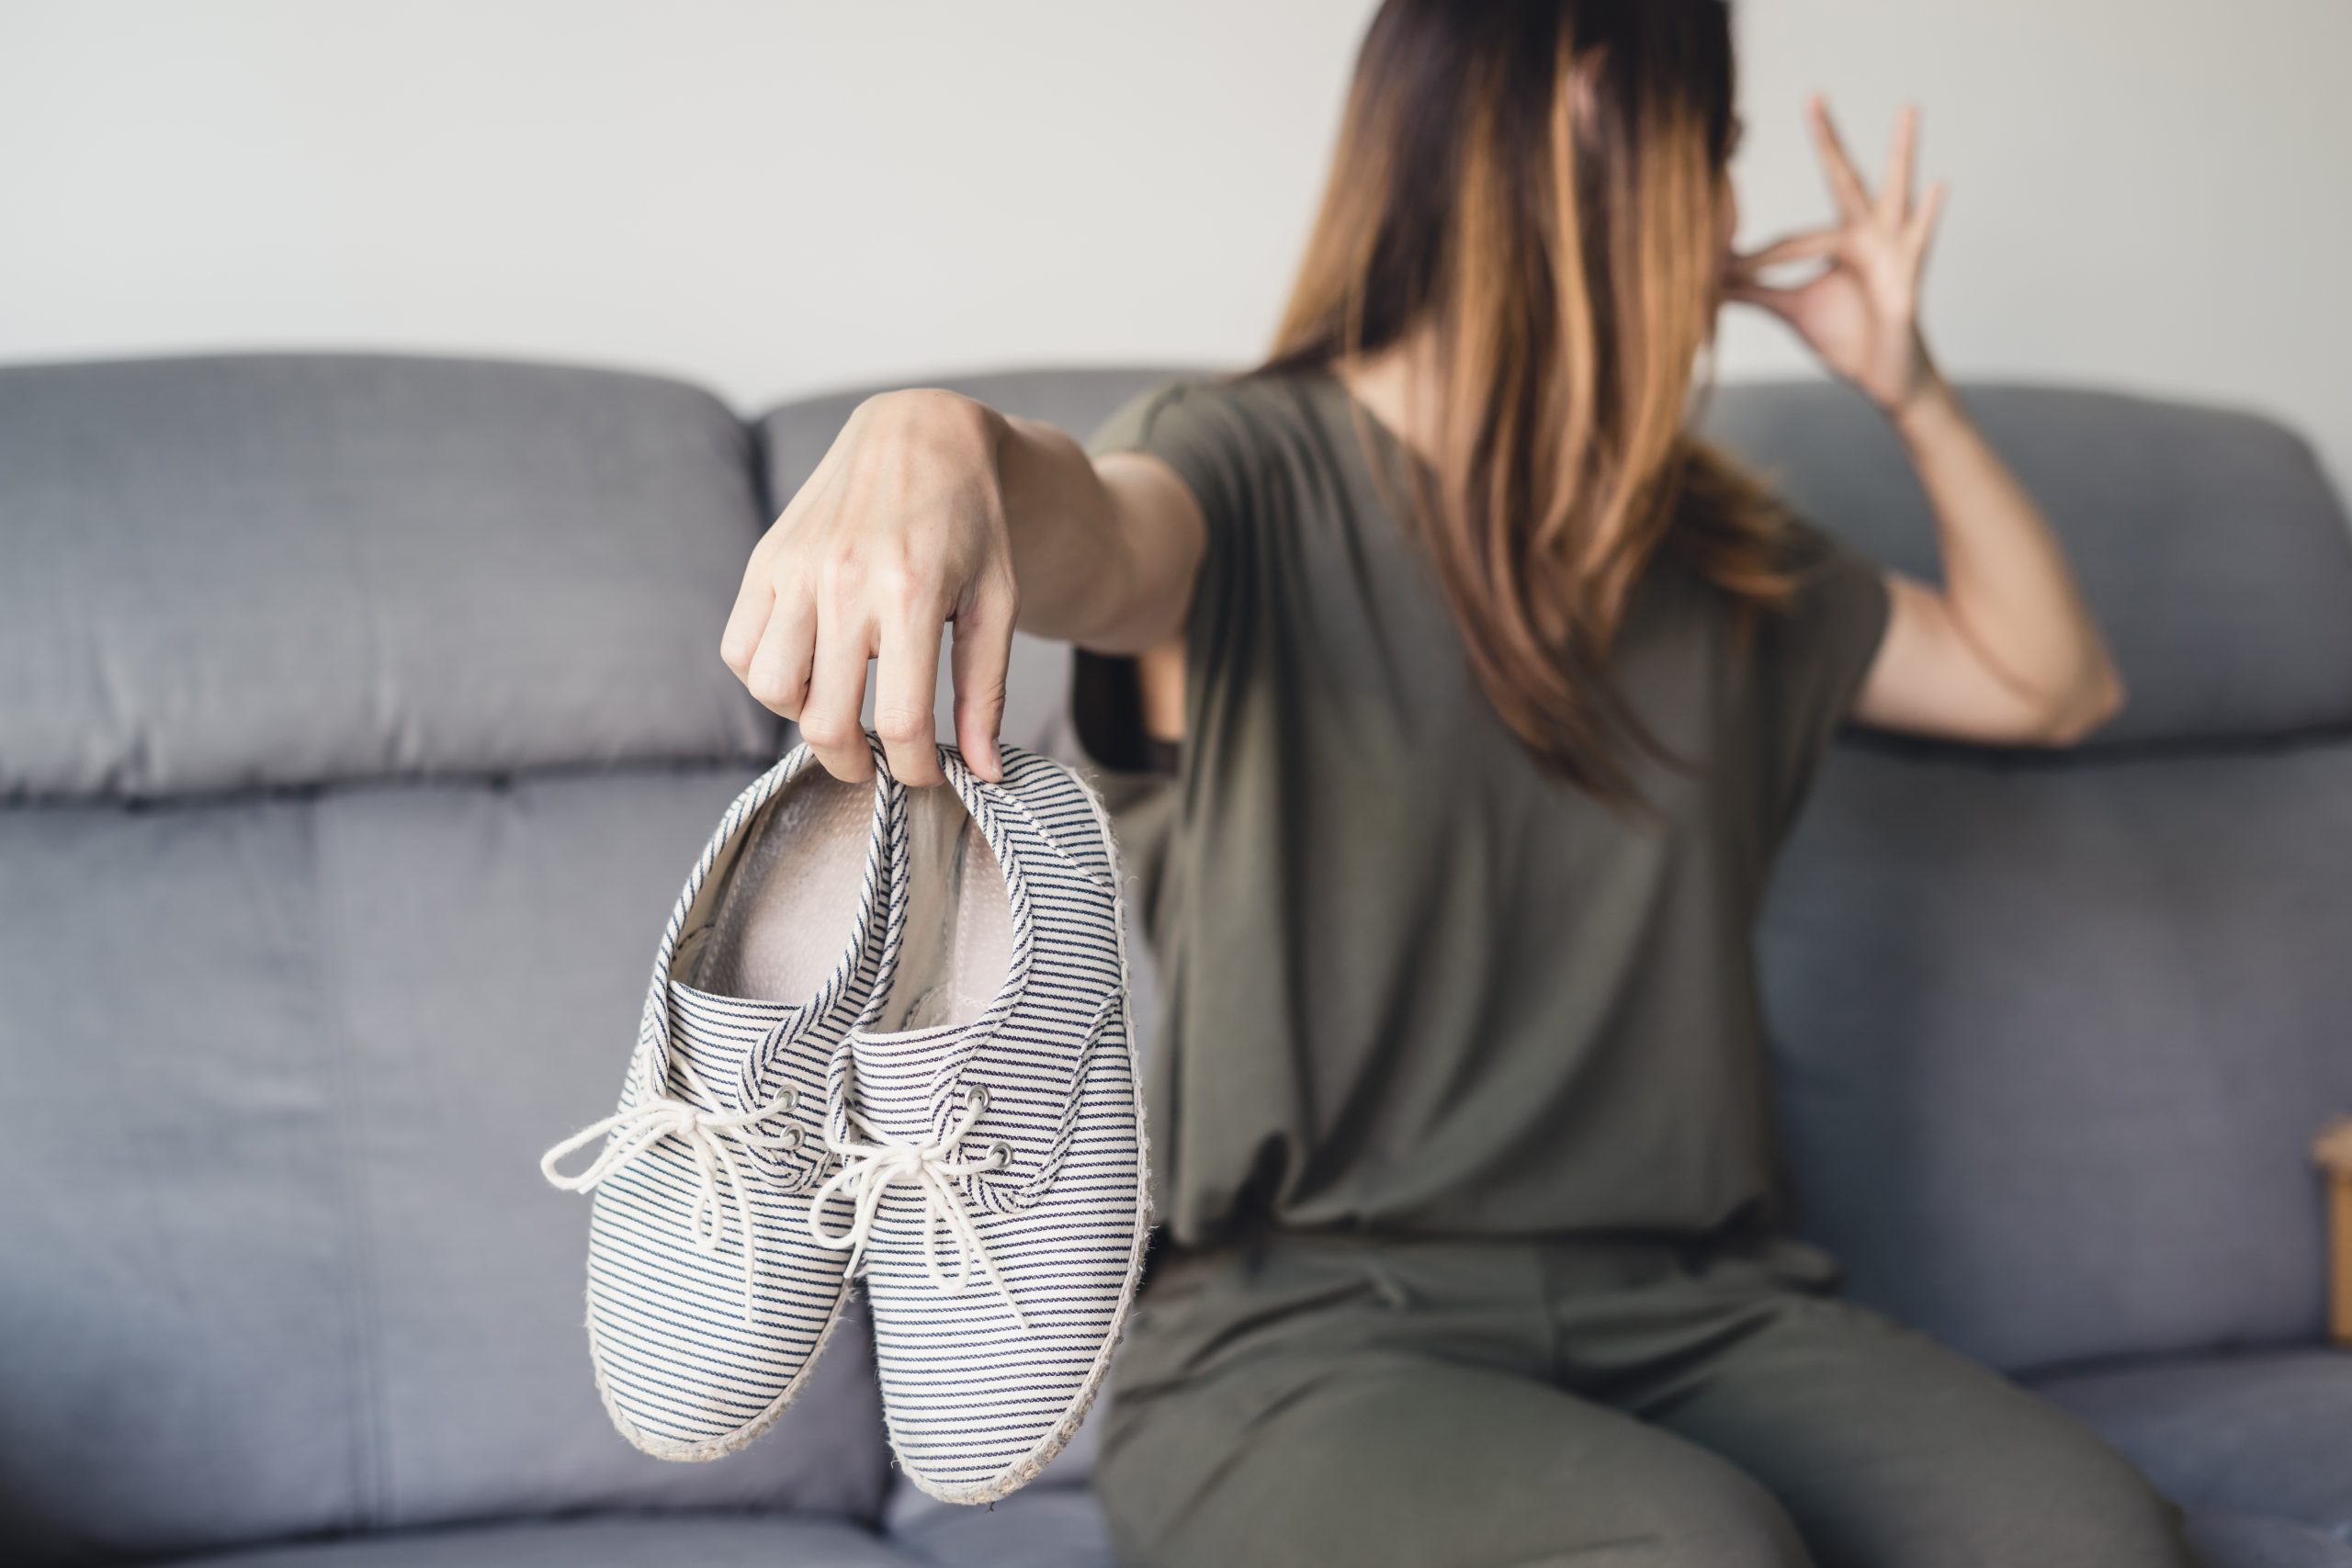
<point>1479,1404</point>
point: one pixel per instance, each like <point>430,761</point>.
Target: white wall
<point>784,197</point>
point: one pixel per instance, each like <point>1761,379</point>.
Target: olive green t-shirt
<point>1412,983</point>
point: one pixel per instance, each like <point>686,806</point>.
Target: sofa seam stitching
<point>363,1311</point>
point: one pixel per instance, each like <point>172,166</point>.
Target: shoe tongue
<point>900,1077</point>
<point>731,1046</point>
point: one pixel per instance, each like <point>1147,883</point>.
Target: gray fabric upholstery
<point>1062,1528</point>
<point>281,1071</point>
<point>2208,540</point>
<point>2252,1541</point>
<point>2053,1038</point>
<point>1046,1526</point>
<point>2265,1434</point>
<point>281,1059</point>
<point>232,572</point>
<point>725,1541</point>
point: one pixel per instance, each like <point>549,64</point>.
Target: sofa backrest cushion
<point>282,1061</point>
<point>2055,1032</point>
<point>281,1260</point>
<point>2054,1040</point>
<point>2207,539</point>
<point>280,569</point>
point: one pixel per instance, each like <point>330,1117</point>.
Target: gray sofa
<point>359,716</point>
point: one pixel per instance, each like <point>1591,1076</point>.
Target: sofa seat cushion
<point>2224,1539</point>
<point>1043,1526</point>
<point>1051,1526</point>
<point>625,1541</point>
<point>282,1068</point>
<point>2265,1434</point>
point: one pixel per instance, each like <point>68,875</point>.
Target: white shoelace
<point>869,1169</point>
<point>708,1133</point>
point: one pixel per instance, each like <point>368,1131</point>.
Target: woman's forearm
<point>1105,554</point>
<point>2007,652</point>
<point>2008,590</point>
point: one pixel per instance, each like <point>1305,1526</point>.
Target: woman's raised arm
<point>2006,651</point>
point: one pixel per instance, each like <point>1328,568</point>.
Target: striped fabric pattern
<point>1033,1114</point>
<point>696,1349</point>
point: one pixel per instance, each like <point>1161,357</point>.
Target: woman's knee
<point>2098,1510</point>
<point>2033,1487</point>
<point>1715,1526</point>
<point>2047,1488</point>
<point>1420,1465</point>
<point>1718,1516</point>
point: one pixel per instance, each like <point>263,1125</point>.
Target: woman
<point>1465,697</point>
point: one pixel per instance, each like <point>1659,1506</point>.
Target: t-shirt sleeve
<point>1201,432</point>
<point>1196,429</point>
<point>1816,650</point>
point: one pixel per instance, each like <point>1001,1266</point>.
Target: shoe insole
<point>781,913</point>
<point>958,946</point>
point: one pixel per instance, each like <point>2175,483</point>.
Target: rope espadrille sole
<point>689,1451</point>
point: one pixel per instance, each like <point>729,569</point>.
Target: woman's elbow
<point>2091,706</point>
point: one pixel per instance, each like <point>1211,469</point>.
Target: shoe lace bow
<point>713,1137</point>
<point>871,1167</point>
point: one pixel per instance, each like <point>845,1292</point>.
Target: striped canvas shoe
<point>708,1299</point>
<point>988,1130</point>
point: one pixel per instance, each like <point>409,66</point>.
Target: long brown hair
<point>1536,185</point>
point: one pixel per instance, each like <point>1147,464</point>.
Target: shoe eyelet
<point>978,1100</point>
<point>999,1156</point>
<point>793,1138</point>
<point>789,1101</point>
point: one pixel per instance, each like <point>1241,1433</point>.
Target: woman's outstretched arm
<point>932,511</point>
<point>2006,651</point>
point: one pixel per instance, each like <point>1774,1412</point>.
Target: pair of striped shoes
<point>886,1040</point>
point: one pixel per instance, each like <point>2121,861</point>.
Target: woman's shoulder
<point>1238,410</point>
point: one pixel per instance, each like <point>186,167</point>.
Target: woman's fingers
<point>1921,229</point>
<point>747,623</point>
<point>1789,248</point>
<point>900,527</point>
<point>1894,192</point>
<point>830,720</point>
<point>1845,184</point>
<point>906,679</point>
<point>978,663</point>
<point>1781,302</point>
<point>777,671</point>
